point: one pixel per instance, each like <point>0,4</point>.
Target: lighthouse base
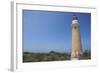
<point>74,59</point>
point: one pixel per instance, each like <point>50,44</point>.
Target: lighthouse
<point>76,39</point>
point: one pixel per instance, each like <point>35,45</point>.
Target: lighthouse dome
<point>74,17</point>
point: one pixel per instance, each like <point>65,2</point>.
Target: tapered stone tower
<point>76,39</point>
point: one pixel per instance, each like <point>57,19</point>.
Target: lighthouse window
<point>75,27</point>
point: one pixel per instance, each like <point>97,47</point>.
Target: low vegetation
<point>51,56</point>
<point>86,55</point>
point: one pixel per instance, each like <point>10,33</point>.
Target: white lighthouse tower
<point>76,39</point>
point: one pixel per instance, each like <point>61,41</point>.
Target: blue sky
<point>44,31</point>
